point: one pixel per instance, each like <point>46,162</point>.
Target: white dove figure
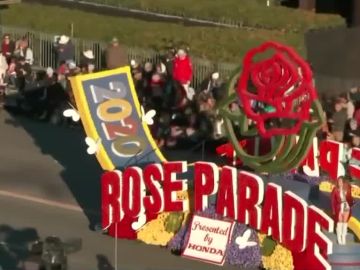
<point>93,146</point>
<point>75,116</point>
<point>72,112</point>
<point>148,117</point>
<point>243,241</point>
<point>136,225</point>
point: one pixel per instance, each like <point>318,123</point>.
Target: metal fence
<point>42,45</point>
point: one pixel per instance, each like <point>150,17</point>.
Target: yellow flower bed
<point>280,259</point>
<point>154,233</point>
<point>328,187</point>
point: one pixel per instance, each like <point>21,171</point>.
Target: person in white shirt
<point>3,68</point>
<point>23,50</point>
<point>350,108</point>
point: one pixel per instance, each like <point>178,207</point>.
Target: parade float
<point>276,214</point>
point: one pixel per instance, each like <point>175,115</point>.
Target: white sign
<point>208,240</point>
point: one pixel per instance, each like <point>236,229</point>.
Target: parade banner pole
<point>116,239</point>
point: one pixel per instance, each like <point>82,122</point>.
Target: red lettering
<point>251,193</point>
<point>172,185</point>
<point>354,170</point>
<point>133,187</point>
<point>330,154</point>
<point>110,193</point>
<point>205,183</point>
<point>310,164</point>
<point>153,203</point>
<point>271,212</point>
<point>294,222</point>
<point>225,204</point>
<point>318,245</point>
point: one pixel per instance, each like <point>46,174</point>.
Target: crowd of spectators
<point>342,119</point>
<point>16,59</point>
<point>184,116</point>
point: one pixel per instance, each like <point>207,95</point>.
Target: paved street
<point>49,162</point>
<point>46,182</point>
<point>49,220</point>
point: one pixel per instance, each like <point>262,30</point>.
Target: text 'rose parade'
<point>277,105</point>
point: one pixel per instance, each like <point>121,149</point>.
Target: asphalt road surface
<point>49,185</point>
<point>45,220</point>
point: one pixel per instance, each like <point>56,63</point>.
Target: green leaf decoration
<point>173,222</point>
<point>268,246</point>
<point>286,153</point>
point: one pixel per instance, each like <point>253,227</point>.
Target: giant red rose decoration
<point>282,82</point>
<point>278,101</point>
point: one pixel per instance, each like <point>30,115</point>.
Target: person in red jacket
<point>183,71</point>
<point>7,47</point>
<point>341,202</point>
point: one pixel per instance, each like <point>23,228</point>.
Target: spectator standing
<point>147,74</point>
<point>354,94</point>
<point>169,61</point>
<point>23,73</point>
<point>205,101</point>
<point>183,71</point>
<point>3,68</point>
<point>350,108</point>
<point>161,70</point>
<point>339,120</point>
<point>11,72</point>
<point>357,116</point>
<point>7,47</point>
<point>51,77</point>
<point>157,86</point>
<point>87,61</point>
<point>116,55</point>
<point>65,50</point>
<point>214,85</point>
<point>139,82</point>
<point>23,50</point>
<point>355,138</point>
<point>348,105</point>
<point>328,105</point>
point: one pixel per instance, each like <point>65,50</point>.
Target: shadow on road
<point>103,263</point>
<point>14,246</point>
<point>81,172</point>
<point>67,146</point>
